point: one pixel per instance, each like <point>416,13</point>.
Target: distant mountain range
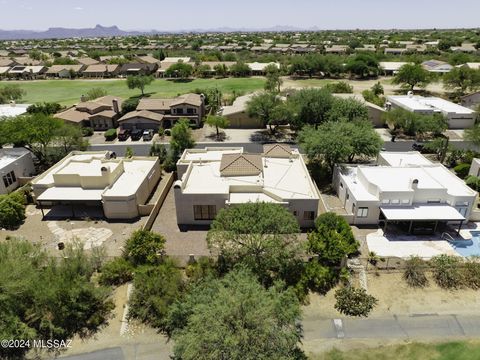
<point>102,31</point>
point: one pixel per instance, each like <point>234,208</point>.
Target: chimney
<point>115,106</point>
<point>415,184</point>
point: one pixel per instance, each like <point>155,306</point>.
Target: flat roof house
<point>15,164</point>
<point>459,117</point>
<point>404,188</point>
<point>215,178</point>
<point>120,186</point>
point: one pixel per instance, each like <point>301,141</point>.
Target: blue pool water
<point>468,248</point>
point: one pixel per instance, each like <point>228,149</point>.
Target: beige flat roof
<point>422,212</point>
<point>71,194</point>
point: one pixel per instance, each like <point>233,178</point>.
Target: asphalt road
<point>143,149</point>
<point>403,327</point>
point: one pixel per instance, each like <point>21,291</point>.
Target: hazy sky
<point>188,14</point>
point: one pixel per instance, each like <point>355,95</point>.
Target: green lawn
<point>444,351</point>
<point>68,92</point>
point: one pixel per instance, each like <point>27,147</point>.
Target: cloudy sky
<point>207,14</point>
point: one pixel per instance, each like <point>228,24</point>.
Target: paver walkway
<point>90,237</point>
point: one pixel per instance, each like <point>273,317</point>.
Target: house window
<point>433,201</point>
<point>179,111</point>
<point>341,185</point>
<point>9,179</point>
<point>362,212</point>
<point>395,201</point>
<point>353,208</point>
<point>385,201</point>
<point>191,111</point>
<point>309,215</point>
<point>405,201</point>
<point>462,210</point>
<point>348,196</point>
<point>204,212</point>
<point>295,213</point>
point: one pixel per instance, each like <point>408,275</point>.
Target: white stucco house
<point>215,178</point>
<point>15,164</point>
<point>459,117</point>
<point>403,188</point>
<point>121,186</point>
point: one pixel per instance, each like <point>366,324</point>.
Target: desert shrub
<point>156,288</point>
<point>471,274</point>
<point>340,87</point>
<point>447,271</point>
<point>12,210</point>
<point>473,182</point>
<point>202,268</point>
<point>462,170</point>
<point>116,272</point>
<point>110,134</point>
<point>414,273</point>
<point>87,131</point>
<point>354,301</point>
<point>144,247</point>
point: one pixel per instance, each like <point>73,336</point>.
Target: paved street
<point>408,327</point>
<point>416,327</point>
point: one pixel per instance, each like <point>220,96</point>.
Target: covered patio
<point>423,217</point>
<point>74,197</point>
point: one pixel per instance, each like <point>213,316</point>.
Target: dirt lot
<point>396,297</point>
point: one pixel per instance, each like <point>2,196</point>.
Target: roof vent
<point>104,169</point>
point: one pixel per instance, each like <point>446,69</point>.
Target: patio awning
<point>437,212</point>
<point>71,194</point>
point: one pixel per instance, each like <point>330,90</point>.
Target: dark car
<point>136,134</point>
<point>123,134</point>
<point>417,146</point>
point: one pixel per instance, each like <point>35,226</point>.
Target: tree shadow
<point>213,136</point>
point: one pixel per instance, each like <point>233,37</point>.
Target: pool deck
<point>425,246</point>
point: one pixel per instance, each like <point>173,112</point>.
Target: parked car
<point>136,134</point>
<point>148,135</point>
<point>123,134</point>
<point>418,146</point>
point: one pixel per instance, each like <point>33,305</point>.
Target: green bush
<point>414,273</point>
<point>462,170</point>
<point>340,87</point>
<point>354,301</point>
<point>130,105</point>
<point>116,272</point>
<point>317,277</point>
<point>471,274</point>
<point>87,131</point>
<point>201,269</point>
<point>144,247</point>
<point>156,288</point>
<point>447,271</point>
<point>473,182</point>
<point>12,210</point>
<point>110,134</point>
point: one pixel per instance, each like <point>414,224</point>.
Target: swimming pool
<point>468,248</point>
